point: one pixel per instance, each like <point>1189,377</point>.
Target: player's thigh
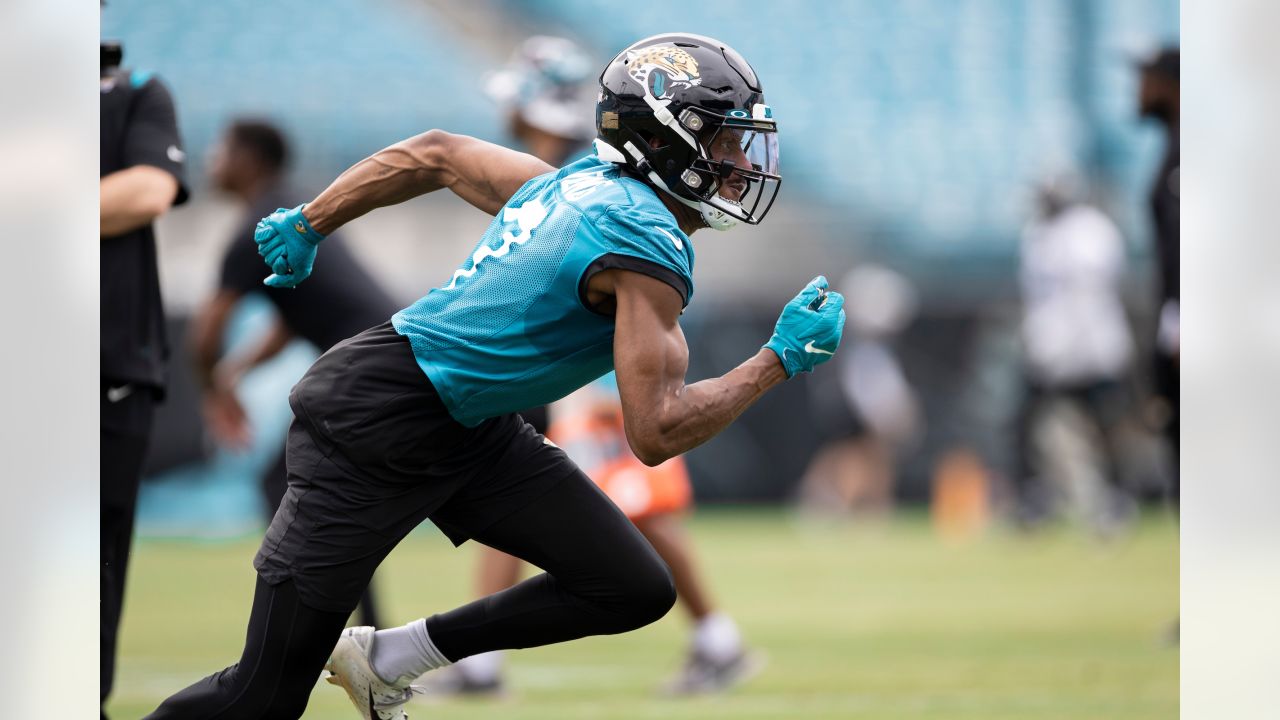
<point>575,533</point>
<point>534,503</point>
<point>334,526</point>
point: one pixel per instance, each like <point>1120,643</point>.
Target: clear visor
<point>743,159</point>
<point>761,148</point>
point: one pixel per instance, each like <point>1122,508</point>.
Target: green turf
<point>857,622</point>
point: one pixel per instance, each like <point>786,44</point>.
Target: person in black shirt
<point>340,299</point>
<point>140,170</point>
<point>1159,99</point>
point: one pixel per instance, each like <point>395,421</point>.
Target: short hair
<point>264,140</point>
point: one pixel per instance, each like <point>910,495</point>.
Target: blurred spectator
<point>869,411</point>
<point>547,93</point>
<point>340,300</point>
<point>140,170</point>
<point>1158,98</point>
<point>1076,337</point>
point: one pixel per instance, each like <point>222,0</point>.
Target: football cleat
<point>702,674</point>
<point>349,668</point>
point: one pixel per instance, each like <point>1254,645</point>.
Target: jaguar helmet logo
<point>662,68</point>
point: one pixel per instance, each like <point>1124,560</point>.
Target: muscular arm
<point>483,174</point>
<point>131,198</point>
<point>665,417</point>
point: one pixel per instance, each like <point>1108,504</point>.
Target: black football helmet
<point>687,114</point>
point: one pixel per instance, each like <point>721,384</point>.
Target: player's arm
<point>207,330</point>
<point>150,151</point>
<point>665,417</point>
<point>483,174</point>
<point>276,340</point>
<point>134,197</point>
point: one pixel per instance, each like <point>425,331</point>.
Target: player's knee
<point>651,593</point>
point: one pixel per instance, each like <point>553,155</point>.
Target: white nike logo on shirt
<point>674,239</point>
<point>116,394</point>
<point>809,348</point>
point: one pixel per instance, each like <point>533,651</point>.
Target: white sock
<point>401,654</point>
<point>716,636</point>
<point>481,669</point>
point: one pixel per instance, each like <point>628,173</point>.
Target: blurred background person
<point>548,94</point>
<point>588,425</point>
<point>339,301</point>
<point>141,177</point>
<point>869,408</point>
<point>1158,99</point>
<point>1076,340</point>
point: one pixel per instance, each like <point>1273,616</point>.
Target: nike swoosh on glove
<point>809,329</point>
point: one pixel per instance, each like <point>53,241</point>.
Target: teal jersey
<point>511,328</point>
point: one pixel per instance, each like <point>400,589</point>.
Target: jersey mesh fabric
<point>508,330</point>
<point>491,302</point>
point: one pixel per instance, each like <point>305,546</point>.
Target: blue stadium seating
<point>921,122</point>
<point>925,121</point>
<point>344,77</point>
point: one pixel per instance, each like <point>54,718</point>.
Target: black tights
<point>602,578</point>
<point>284,651</point>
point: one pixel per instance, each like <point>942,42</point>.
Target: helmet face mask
<point>737,174</point>
<point>687,115</point>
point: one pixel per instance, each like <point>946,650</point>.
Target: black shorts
<point>372,452</point>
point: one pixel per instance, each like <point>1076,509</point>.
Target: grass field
<point>857,622</point>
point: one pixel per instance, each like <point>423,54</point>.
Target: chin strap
<point>717,219</point>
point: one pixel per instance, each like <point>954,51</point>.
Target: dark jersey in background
<point>138,127</point>
<point>340,299</point>
<point>1164,207</point>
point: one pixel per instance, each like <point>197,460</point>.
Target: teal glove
<point>287,243</point>
<point>809,329</point>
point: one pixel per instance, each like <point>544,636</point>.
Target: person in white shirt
<point>1076,336</point>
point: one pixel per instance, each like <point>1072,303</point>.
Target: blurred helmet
<point>685,91</point>
<point>546,83</point>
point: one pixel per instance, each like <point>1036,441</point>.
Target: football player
<point>547,95</point>
<point>584,269</point>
